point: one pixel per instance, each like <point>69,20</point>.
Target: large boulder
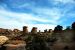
<point>3,39</point>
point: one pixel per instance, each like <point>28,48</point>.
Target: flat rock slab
<point>15,47</point>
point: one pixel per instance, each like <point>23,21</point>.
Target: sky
<point>44,14</point>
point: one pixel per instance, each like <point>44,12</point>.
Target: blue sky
<point>39,13</point>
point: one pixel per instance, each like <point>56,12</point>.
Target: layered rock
<point>25,29</point>
<point>34,30</point>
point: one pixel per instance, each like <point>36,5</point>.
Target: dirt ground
<point>63,46</point>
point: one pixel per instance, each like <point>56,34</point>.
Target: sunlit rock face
<point>50,31</point>
<point>25,29</point>
<point>34,30</point>
<point>3,39</point>
<point>16,31</point>
<point>3,30</point>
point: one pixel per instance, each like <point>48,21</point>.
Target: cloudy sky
<point>39,13</point>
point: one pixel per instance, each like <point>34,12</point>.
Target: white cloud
<point>13,20</point>
<point>26,5</point>
<point>53,14</point>
<point>16,20</point>
<point>21,16</point>
<point>9,19</point>
<point>65,1</point>
<point>41,27</point>
<point>11,24</point>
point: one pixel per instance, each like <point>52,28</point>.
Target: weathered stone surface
<point>25,29</point>
<point>15,47</point>
<point>34,30</point>
<point>3,39</point>
<point>16,30</point>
